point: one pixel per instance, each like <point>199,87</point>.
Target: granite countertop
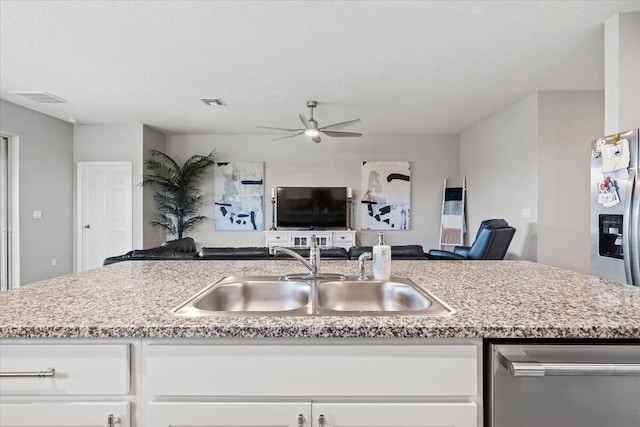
<point>493,299</point>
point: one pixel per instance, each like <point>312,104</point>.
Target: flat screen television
<point>312,207</point>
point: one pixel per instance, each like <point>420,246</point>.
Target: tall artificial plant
<point>177,194</point>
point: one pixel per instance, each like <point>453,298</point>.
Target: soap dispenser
<point>381,259</point>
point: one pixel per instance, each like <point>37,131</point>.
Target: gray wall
<point>45,178</point>
<point>535,154</point>
<point>151,140</point>
<point>333,162</point>
<point>499,157</point>
<point>567,123</point>
<point>113,143</point>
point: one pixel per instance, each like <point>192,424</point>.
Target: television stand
<point>339,238</point>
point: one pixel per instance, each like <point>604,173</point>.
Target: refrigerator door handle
<point>634,259</point>
<point>627,227</point>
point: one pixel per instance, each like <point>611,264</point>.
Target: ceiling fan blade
<point>284,129</point>
<point>289,136</point>
<point>304,121</point>
<point>340,134</point>
<point>339,125</point>
<point>316,139</point>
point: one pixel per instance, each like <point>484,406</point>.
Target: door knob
<point>87,226</point>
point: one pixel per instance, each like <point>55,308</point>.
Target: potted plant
<point>177,194</point>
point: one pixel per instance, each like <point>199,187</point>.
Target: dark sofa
<point>406,252</point>
<point>179,249</point>
<point>185,249</point>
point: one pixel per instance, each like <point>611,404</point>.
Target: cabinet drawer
<point>63,414</point>
<point>309,370</point>
<point>343,237</point>
<point>278,238</point>
<point>79,369</point>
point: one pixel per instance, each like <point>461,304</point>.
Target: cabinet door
<point>344,239</point>
<point>394,414</point>
<point>63,414</point>
<point>228,414</point>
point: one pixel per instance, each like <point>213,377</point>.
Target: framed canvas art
<point>238,193</point>
<point>386,195</point>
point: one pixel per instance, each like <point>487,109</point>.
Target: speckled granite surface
<point>515,299</point>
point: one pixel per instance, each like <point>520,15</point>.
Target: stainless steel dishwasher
<point>558,385</point>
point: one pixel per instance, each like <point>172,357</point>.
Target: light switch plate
<point>37,214</point>
<point>526,213</point>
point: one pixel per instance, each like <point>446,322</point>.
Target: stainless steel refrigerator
<point>615,208</point>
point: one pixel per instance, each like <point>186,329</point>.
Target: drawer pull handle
<point>49,372</point>
<point>322,421</point>
<point>301,420</point>
<point>112,420</point>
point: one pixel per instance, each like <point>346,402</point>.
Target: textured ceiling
<point>402,67</point>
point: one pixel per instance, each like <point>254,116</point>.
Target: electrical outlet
<point>54,262</point>
<point>37,214</point>
<point>526,213</point>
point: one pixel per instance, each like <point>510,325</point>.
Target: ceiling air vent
<point>213,101</point>
<point>41,97</point>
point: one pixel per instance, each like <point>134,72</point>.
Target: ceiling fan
<point>312,130</point>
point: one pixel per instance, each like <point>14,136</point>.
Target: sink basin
<point>249,294</point>
<point>333,295</point>
<point>370,296</point>
<point>378,297</point>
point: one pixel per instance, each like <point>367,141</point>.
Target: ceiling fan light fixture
<point>312,130</point>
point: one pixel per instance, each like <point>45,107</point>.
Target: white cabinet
<point>249,383</point>
<point>64,414</point>
<point>343,239</point>
<point>77,369</point>
<point>397,383</point>
<point>311,414</point>
<point>51,383</point>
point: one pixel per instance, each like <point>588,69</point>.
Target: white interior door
<point>4,213</point>
<point>104,217</point>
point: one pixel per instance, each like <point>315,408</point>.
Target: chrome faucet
<point>362,264</point>
<point>314,256</point>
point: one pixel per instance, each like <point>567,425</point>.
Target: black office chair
<point>492,241</point>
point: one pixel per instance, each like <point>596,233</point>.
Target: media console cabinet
<point>338,238</point>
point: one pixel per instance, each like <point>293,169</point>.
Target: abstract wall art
<point>238,196</point>
<point>386,195</point>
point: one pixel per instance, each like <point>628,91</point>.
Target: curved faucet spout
<point>296,255</point>
<point>314,256</point>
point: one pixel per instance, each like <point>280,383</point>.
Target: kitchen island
<point>493,299</point>
<point>119,350</point>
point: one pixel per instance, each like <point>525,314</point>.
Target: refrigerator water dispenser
<point>610,236</point>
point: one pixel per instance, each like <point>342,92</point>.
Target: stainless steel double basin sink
<point>331,295</point>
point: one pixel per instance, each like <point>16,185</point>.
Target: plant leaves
<point>177,196</point>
